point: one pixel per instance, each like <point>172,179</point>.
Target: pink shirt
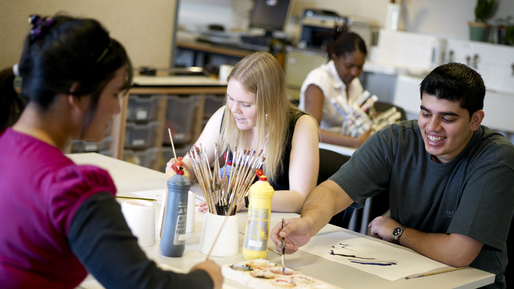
<point>40,191</point>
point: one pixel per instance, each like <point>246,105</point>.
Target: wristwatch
<point>397,232</point>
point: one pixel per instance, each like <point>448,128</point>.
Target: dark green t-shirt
<point>472,195</point>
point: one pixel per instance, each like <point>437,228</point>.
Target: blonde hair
<point>261,74</point>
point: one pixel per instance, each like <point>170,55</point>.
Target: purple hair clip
<point>39,26</point>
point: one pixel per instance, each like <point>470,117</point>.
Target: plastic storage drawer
<point>212,103</point>
<point>167,154</point>
<point>141,135</point>
<point>180,115</point>
<point>80,146</point>
<point>143,108</point>
<point>144,158</point>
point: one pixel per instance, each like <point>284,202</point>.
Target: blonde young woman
<point>259,115</point>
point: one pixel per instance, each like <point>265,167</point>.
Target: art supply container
<point>140,217</point>
<point>173,237</point>
<point>225,230</point>
<point>224,72</point>
<point>393,16</point>
<point>257,224</point>
<point>190,223</point>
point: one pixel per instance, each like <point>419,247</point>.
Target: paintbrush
<point>283,251</point>
<point>165,197</point>
<point>223,191</point>
<point>434,273</point>
<point>172,145</point>
<point>216,239</point>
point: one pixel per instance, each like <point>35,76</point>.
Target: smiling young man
<point>450,179</point>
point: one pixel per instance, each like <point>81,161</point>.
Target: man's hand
<point>382,227</point>
<point>296,233</point>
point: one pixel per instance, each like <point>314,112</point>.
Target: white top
<point>327,79</point>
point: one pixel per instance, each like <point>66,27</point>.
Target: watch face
<point>397,232</point>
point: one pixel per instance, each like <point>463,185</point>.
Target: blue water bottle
<point>173,237</point>
<point>225,170</point>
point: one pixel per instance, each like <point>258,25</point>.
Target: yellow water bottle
<point>257,222</point>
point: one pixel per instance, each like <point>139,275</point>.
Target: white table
<point>347,151</point>
<point>130,178</point>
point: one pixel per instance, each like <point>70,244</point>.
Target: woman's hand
<point>214,271</point>
<point>202,207</point>
<point>169,164</point>
<point>175,164</point>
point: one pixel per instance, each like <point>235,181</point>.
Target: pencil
<point>434,273</point>
<point>136,198</point>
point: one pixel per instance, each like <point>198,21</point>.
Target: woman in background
<point>338,77</point>
<point>61,220</point>
<point>259,115</point>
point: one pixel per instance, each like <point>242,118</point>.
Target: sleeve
<point>367,172</point>
<point>70,188</point>
<point>318,77</point>
<point>101,239</point>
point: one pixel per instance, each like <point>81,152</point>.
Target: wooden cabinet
<point>204,54</point>
<point>183,86</point>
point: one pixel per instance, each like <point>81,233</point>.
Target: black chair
<point>509,271</point>
<point>329,164</point>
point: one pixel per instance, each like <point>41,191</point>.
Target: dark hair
<point>347,42</point>
<point>10,103</point>
<point>71,50</point>
<point>456,82</point>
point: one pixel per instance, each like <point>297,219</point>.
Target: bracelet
<point>246,201</point>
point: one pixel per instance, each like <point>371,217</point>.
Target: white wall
<point>440,17</point>
<point>197,14</point>
<point>144,27</point>
<point>447,18</point>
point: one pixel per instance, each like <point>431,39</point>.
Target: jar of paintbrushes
<point>224,188</point>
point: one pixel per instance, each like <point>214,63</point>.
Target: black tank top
<point>282,180</point>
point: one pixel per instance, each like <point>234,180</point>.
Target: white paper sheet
<point>407,261</point>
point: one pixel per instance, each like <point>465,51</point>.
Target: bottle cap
<point>178,167</point>
<point>261,187</point>
<point>261,175</point>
